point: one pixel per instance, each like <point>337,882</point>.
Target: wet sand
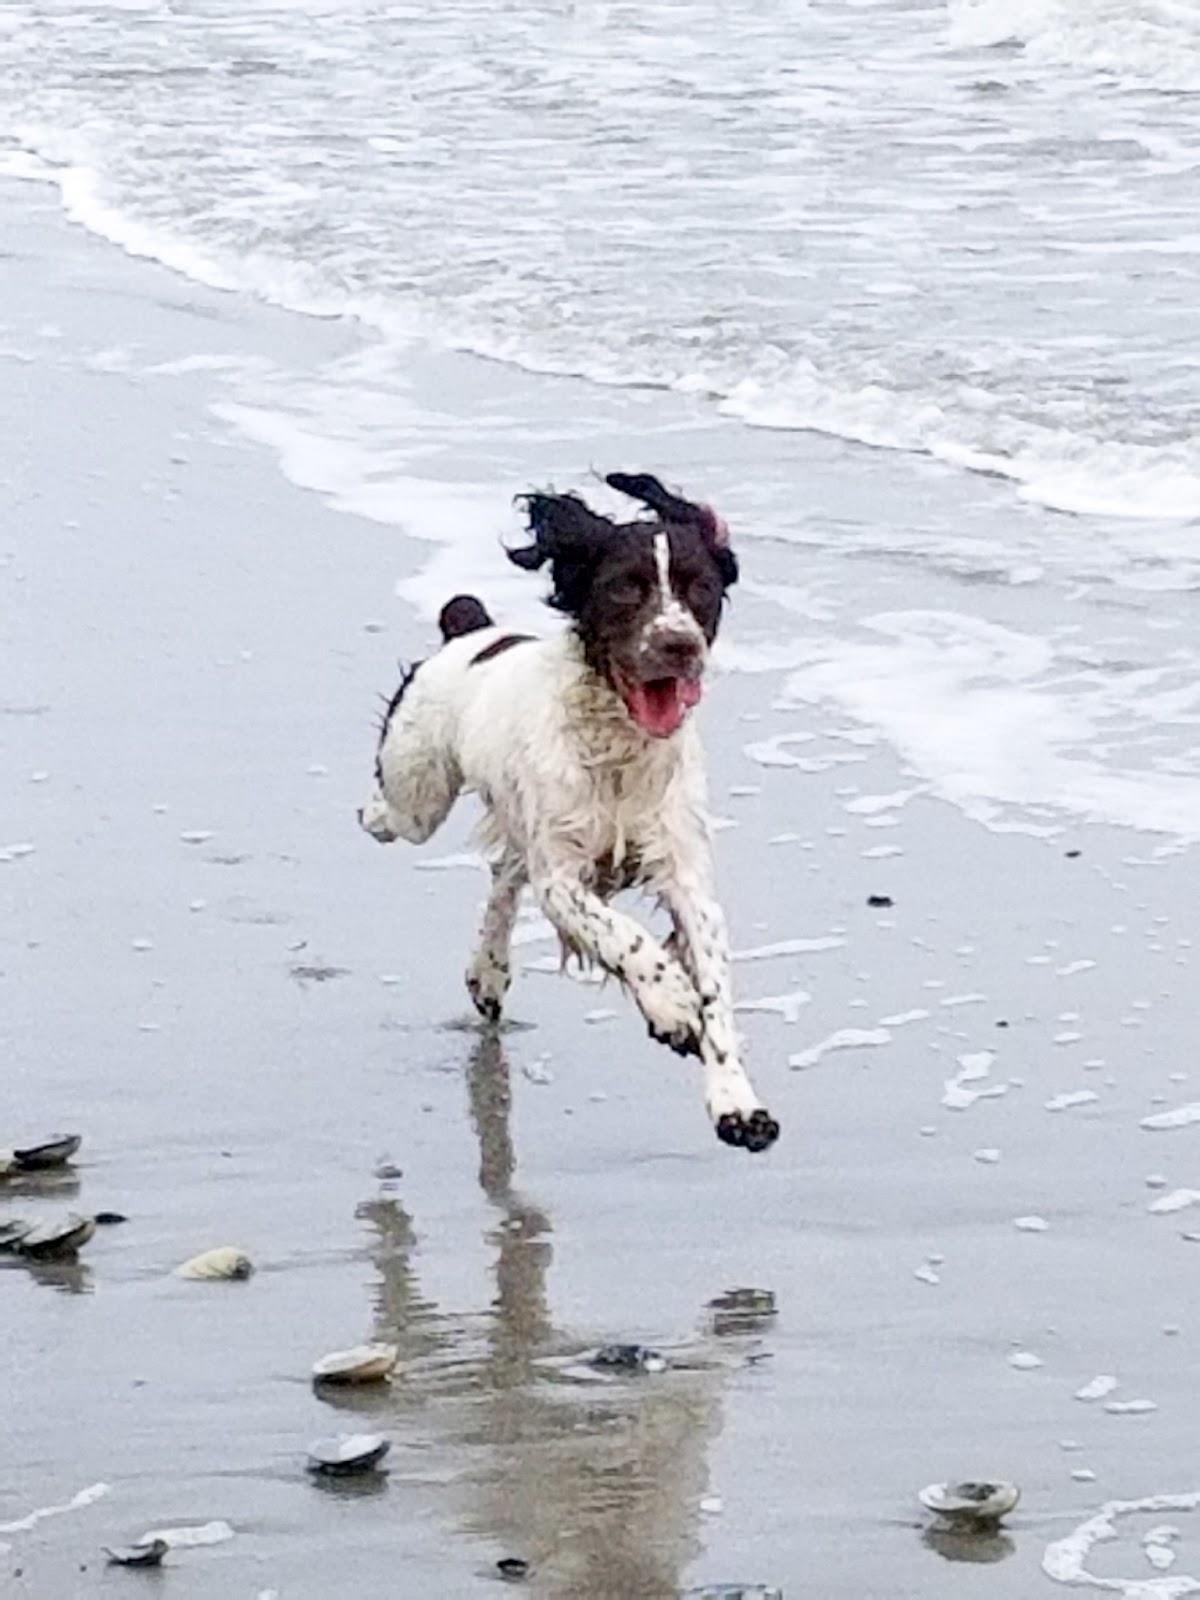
<point>247,1026</point>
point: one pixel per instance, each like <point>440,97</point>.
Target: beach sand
<point>249,1011</point>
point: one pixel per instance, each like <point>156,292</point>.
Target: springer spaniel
<point>589,769</point>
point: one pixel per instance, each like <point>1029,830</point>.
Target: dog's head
<point>645,596</point>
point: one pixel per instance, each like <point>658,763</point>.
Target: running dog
<point>583,752</point>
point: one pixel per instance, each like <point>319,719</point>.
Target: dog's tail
<point>463,614</point>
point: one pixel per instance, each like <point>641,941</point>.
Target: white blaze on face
<point>671,616</point>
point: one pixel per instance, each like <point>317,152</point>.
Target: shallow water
<point>966,229</point>
<point>965,234</point>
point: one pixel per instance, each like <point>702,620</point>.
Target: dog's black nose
<point>677,651</point>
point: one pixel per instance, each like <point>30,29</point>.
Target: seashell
<point>148,1553</point>
<point>109,1219</point>
<point>512,1568</point>
<point>971,1505</point>
<point>365,1363</point>
<point>347,1453</point>
<point>54,1240</point>
<point>54,1152</point>
<point>13,1231</point>
<point>223,1262</point>
<point>629,1358</point>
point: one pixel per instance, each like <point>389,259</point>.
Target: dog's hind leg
<point>417,778</point>
<point>660,987</point>
<point>490,972</point>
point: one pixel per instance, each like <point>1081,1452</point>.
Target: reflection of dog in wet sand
<point>582,751</point>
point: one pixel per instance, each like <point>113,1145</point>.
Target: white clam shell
<point>223,1262</point>
<point>977,1502</point>
<point>354,1452</point>
<point>62,1237</point>
<point>365,1363</point>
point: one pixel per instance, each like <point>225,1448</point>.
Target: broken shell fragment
<point>513,1569</point>
<point>365,1363</point>
<point>347,1453</point>
<point>223,1262</point>
<point>149,1553</point>
<point>54,1152</point>
<point>56,1240</point>
<point>972,1504</point>
<point>629,1358</point>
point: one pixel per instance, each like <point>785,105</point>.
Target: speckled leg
<point>703,942</point>
<point>661,989</point>
<point>490,972</point>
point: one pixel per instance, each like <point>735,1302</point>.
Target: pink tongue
<point>659,707</point>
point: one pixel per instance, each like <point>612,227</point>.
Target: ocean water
<point>965,233</point>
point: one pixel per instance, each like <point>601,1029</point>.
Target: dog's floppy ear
<point>644,486</point>
<point>567,534</point>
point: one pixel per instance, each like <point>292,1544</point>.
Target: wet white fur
<point>568,781</point>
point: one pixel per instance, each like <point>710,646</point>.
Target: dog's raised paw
<point>683,1041</point>
<point>756,1132</point>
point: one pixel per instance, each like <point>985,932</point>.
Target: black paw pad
<point>758,1131</point>
<point>487,1005</point>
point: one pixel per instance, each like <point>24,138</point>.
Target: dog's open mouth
<point>660,706</point>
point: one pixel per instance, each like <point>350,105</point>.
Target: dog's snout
<point>678,650</point>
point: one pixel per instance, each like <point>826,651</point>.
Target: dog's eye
<point>703,592</point>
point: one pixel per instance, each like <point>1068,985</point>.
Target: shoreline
<point>195,633</point>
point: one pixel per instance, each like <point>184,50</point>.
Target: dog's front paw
<point>682,1040</point>
<point>672,1015</point>
<point>758,1131</point>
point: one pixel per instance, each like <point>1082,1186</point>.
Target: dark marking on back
<point>499,646</point>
